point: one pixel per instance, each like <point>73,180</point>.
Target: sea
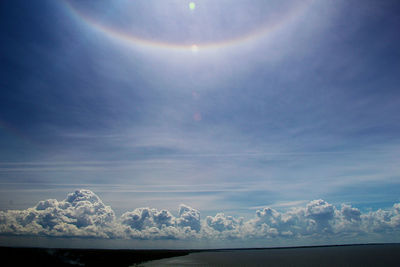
<point>348,255</point>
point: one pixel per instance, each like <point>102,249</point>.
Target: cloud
<point>189,217</point>
<point>147,223</point>
<point>351,214</point>
<point>382,221</point>
<point>222,227</point>
<point>83,214</point>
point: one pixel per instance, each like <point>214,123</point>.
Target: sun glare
<point>192,5</point>
<point>195,48</point>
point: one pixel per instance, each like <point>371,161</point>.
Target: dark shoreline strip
<point>23,256</point>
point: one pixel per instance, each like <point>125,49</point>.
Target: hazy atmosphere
<point>209,123</point>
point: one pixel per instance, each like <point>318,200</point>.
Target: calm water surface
<point>363,255</point>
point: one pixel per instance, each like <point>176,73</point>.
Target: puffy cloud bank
<point>83,214</point>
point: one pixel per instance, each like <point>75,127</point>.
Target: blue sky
<point>282,103</point>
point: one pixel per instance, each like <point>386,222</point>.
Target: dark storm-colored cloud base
<point>83,214</point>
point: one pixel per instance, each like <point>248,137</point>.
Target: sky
<point>174,123</point>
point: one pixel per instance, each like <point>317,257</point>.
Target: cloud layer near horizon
<point>83,214</point>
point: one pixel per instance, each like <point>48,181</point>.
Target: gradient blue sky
<point>306,107</point>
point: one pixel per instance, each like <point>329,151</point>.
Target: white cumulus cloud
<point>83,214</point>
<point>147,223</point>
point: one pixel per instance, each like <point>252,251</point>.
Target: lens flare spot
<point>197,116</point>
<point>195,95</point>
<point>192,6</point>
<point>195,48</point>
